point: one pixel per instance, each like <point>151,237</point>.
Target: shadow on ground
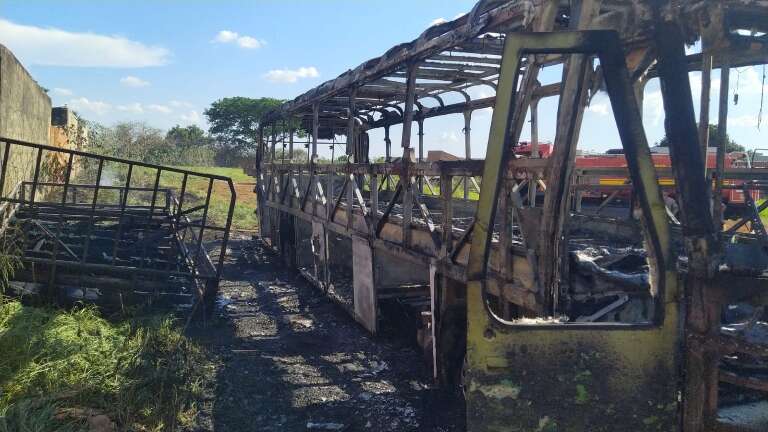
<point>288,359</point>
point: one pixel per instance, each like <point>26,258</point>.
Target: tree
<point>714,140</point>
<point>299,155</point>
<point>187,138</point>
<point>235,121</point>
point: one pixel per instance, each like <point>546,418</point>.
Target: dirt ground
<point>289,359</point>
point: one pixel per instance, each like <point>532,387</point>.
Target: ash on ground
<point>286,358</point>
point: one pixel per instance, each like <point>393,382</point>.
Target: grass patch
<point>140,372</point>
<point>243,217</point>
<point>237,175</point>
<point>458,188</point>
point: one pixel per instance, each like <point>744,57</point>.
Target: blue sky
<point>164,62</point>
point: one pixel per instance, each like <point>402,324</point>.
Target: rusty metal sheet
<point>362,280</point>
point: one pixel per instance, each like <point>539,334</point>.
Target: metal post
<point>260,198</point>
<point>291,131</point>
<point>410,98</point>
<point>387,153</point>
<point>59,223</point>
<point>532,182</point>
<point>703,315</point>
<point>282,141</point>
<point>722,135</point>
<point>4,167</point>
<point>420,122</point>
<point>37,174</point>
<point>315,131</point>
<point>351,149</point>
<point>92,214</point>
<point>406,179</point>
<point>467,146</point>
<point>446,190</point>
<point>388,144</point>
<point>706,84</point>
<point>274,142</point>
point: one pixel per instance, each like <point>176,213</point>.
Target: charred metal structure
<point>563,319</point>
<point>110,231</point>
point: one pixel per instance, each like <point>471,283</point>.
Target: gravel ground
<point>288,359</point>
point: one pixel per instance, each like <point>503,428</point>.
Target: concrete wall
<point>25,114</point>
<point>25,108</point>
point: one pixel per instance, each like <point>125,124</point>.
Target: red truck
<point>661,159</point>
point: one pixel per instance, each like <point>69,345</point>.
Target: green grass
<point>141,372</point>
<point>237,175</point>
<point>243,218</point>
<point>458,185</point>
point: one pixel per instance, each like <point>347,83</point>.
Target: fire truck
<point>614,160</point>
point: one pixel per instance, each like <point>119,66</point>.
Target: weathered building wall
<point>25,114</point>
<point>68,130</point>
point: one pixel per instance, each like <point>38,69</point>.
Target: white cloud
<point>746,120</point>
<point>653,104</point>
<point>291,75</point>
<point>193,117</point>
<point>247,42</point>
<point>132,81</point>
<point>134,108</point>
<point>484,113</point>
<point>62,91</point>
<point>751,81</point>
<point>225,36</point>
<point>438,21</point>
<point>598,108</point>
<point>480,92</point>
<point>83,104</point>
<point>450,137</point>
<point>55,47</point>
<point>714,87</point>
<point>160,108</point>
<point>180,104</point>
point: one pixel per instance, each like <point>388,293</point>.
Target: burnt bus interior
<point>545,289</point>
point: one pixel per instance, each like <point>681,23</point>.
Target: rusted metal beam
<point>467,146</point>
<point>703,315</point>
<point>706,85</point>
<point>462,32</point>
<point>722,136</point>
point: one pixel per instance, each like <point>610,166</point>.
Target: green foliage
<point>299,155</point>
<point>714,141</point>
<point>236,174</point>
<point>197,187</point>
<point>188,137</point>
<point>142,373</point>
<point>235,122</point>
<point>138,141</point>
<point>10,255</point>
<point>582,395</point>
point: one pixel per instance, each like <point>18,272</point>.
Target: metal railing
<point>111,216</point>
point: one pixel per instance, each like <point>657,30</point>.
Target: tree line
<point>231,138</point>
